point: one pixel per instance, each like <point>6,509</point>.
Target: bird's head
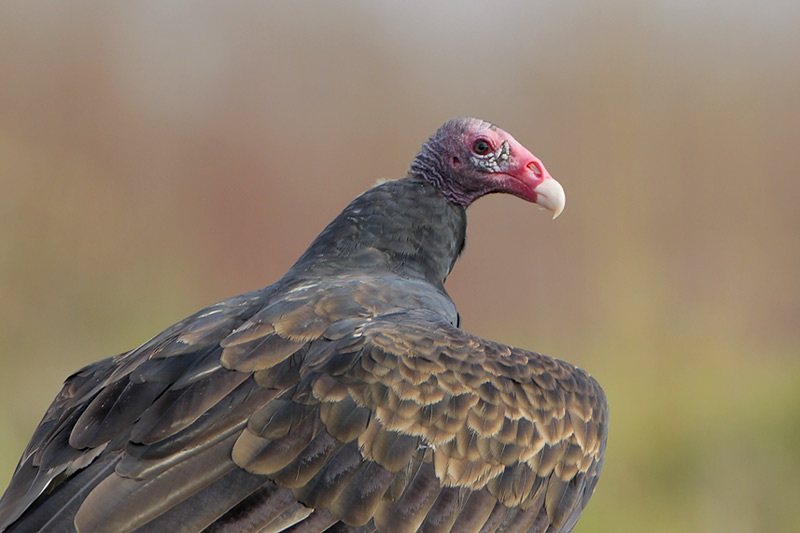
<point>468,158</point>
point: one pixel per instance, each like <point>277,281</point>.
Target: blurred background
<point>156,157</point>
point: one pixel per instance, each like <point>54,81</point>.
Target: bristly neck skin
<point>429,165</point>
<point>405,226</point>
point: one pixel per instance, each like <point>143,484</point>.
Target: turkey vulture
<point>343,397</point>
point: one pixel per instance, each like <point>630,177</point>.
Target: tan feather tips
<point>258,354</point>
<point>378,406</point>
<point>306,313</point>
<point>497,407</point>
<point>275,435</point>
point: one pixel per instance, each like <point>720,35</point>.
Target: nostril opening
<point>536,167</point>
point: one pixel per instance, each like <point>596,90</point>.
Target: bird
<point>344,397</point>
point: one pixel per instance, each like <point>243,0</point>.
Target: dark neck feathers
<point>405,226</point>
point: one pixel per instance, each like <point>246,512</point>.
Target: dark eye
<point>481,146</point>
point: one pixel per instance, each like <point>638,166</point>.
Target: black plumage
<point>344,397</point>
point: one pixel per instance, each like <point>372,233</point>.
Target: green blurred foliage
<point>155,158</point>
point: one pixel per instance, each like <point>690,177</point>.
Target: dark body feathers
<point>341,398</point>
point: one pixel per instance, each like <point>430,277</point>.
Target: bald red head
<point>468,158</point>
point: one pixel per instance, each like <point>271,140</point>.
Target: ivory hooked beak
<point>550,195</point>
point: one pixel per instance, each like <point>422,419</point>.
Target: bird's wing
<point>167,384</point>
<point>311,413</point>
<point>412,424</point>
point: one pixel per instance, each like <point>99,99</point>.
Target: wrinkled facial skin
<point>468,158</point>
<point>492,161</point>
<point>494,155</point>
<point>463,147</point>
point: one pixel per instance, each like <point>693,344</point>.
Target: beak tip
<point>550,195</point>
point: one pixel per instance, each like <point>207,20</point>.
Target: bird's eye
<point>481,146</point>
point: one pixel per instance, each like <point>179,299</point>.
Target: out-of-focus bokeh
<point>156,157</point>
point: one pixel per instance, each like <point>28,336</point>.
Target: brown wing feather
<point>390,420</point>
<point>91,420</point>
<point>529,429</point>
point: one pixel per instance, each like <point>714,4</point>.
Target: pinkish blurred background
<point>156,157</point>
